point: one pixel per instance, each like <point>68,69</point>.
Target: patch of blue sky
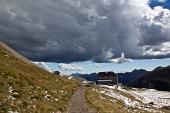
<point>154,3</point>
<point>90,67</point>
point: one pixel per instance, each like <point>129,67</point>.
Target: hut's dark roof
<point>106,74</point>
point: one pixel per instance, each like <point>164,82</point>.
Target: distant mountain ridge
<point>127,77</point>
<point>123,78</point>
<point>89,77</point>
<point>158,79</point>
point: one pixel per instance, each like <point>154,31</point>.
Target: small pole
<point>117,79</point>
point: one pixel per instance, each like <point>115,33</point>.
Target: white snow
<point>46,92</point>
<point>10,89</point>
<point>125,100</point>
<point>102,98</point>
<point>159,98</point>
<point>7,56</point>
<point>47,97</point>
<point>15,93</point>
<point>85,82</point>
<point>69,78</point>
<point>12,112</point>
<point>56,99</point>
<point>146,96</point>
<point>63,92</point>
<point>11,97</point>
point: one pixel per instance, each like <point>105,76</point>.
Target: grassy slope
<point>104,104</point>
<point>27,88</point>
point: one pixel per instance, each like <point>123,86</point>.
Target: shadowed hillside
<point>25,87</point>
<point>158,79</point>
<point>128,77</point>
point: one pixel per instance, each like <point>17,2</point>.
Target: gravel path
<point>78,103</point>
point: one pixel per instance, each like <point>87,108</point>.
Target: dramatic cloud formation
<point>80,30</point>
<point>121,60</point>
<point>43,65</point>
<point>163,49</point>
<point>70,67</point>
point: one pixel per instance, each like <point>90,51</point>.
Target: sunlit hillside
<point>26,88</point>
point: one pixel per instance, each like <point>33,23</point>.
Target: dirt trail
<point>78,103</point>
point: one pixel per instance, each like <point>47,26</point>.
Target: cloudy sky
<point>88,35</point>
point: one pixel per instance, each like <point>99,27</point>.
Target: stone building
<point>106,78</point>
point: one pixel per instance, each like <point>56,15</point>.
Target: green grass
<point>32,89</point>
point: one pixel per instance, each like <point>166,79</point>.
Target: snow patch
<point>69,78</point>
<point>47,97</point>
<point>7,56</point>
<point>12,112</point>
<point>11,97</point>
<point>145,96</point>
<point>10,89</point>
<point>159,98</point>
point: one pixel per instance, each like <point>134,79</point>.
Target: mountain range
<point>127,77</point>
<point>158,79</point>
<point>123,78</point>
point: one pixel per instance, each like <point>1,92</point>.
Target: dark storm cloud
<point>79,30</point>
